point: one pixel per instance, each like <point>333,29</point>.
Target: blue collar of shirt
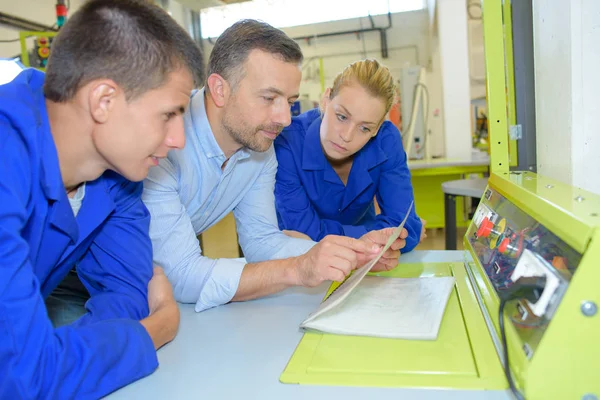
<point>96,207</point>
<point>203,132</point>
<point>98,203</point>
<point>313,157</point>
<point>52,184</point>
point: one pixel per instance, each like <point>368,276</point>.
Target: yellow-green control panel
<point>529,225</point>
<point>525,224</point>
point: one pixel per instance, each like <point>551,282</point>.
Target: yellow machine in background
<point>37,55</point>
<point>524,312</point>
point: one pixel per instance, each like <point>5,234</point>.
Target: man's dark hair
<point>235,43</point>
<point>133,42</point>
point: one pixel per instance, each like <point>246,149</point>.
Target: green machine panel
<point>505,239</point>
<point>463,356</point>
<point>526,225</point>
<point>529,225</point>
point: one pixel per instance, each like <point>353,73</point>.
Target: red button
<point>485,228</point>
<point>44,52</point>
<point>504,245</point>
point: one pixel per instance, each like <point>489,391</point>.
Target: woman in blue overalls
<point>335,160</point>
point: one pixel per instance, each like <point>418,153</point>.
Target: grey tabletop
<point>465,187</point>
<point>238,351</point>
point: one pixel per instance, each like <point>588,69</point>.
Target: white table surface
<point>238,351</point>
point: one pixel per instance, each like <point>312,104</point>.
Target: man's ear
<point>219,89</point>
<point>102,97</point>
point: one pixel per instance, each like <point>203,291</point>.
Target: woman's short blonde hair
<point>375,78</point>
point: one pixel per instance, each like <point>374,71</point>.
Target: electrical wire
<point>507,372</point>
<point>529,288</point>
<point>536,323</point>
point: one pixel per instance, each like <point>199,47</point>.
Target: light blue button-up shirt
<point>187,193</point>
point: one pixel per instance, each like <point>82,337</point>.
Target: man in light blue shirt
<point>229,164</point>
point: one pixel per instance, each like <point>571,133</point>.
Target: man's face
<point>143,130</point>
<point>259,106</point>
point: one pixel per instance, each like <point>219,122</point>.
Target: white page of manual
<point>401,308</point>
<point>346,287</point>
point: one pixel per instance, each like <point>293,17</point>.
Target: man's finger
<point>382,236</point>
<point>379,237</point>
<point>383,267</point>
<point>333,249</point>
<point>391,261</point>
<point>333,274</point>
<point>403,234</point>
<point>398,244</point>
<point>362,258</point>
<point>357,245</point>
<point>341,264</point>
<point>391,254</point>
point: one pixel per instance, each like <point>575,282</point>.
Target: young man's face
<point>143,130</point>
<point>259,106</point>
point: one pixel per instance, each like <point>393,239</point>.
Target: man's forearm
<point>267,277</point>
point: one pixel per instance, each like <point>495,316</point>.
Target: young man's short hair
<point>133,42</point>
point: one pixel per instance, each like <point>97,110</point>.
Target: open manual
<point>401,308</point>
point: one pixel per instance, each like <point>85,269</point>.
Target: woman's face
<point>350,119</point>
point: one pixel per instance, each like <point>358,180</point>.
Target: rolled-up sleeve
<point>195,278</point>
<point>256,220</point>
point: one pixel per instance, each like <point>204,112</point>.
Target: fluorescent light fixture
<point>287,13</point>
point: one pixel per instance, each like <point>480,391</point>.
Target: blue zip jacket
<point>311,198</point>
<point>41,240</point>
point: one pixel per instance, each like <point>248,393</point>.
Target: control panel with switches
<point>510,244</point>
<point>533,251</point>
<point>36,48</point>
